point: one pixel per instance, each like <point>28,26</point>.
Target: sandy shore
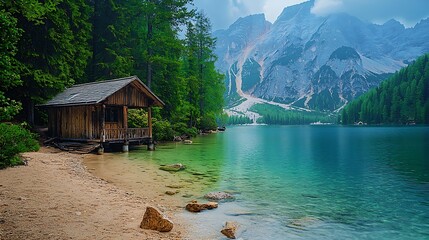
<point>55,197</point>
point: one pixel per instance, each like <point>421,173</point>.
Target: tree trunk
<point>149,50</point>
<point>201,89</point>
<point>30,112</point>
<point>94,31</point>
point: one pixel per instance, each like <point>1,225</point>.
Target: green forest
<point>278,116</point>
<point>401,99</point>
<point>50,45</point>
<point>47,46</point>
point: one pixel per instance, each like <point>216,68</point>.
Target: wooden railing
<point>125,133</point>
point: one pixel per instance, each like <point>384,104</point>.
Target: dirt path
<point>55,197</point>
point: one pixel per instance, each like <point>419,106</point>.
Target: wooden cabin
<point>98,112</point>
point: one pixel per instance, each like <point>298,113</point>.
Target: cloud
<point>223,13</point>
<point>326,7</point>
<point>273,8</point>
<point>409,12</point>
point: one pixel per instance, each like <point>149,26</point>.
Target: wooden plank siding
<point>77,122</point>
<point>129,96</point>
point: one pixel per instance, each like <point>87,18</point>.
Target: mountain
<point>401,99</point>
<point>310,62</point>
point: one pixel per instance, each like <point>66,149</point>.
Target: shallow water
<point>307,182</point>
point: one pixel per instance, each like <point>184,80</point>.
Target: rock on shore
<point>153,219</point>
<point>229,229</point>
<point>194,206</point>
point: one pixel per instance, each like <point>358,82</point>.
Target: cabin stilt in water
<point>98,112</point>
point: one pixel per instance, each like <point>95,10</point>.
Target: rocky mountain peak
<point>394,24</point>
<point>345,53</point>
<point>307,61</point>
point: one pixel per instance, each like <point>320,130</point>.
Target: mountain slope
<point>312,62</point>
<point>403,98</point>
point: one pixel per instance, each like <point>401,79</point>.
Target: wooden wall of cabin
<point>77,122</point>
<point>128,96</point>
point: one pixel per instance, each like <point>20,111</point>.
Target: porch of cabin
<point>114,126</point>
<point>126,134</point>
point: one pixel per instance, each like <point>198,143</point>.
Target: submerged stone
<point>237,214</point>
<point>218,196</point>
<point>309,196</point>
<point>174,186</point>
<point>171,192</point>
<point>173,167</point>
<point>302,223</point>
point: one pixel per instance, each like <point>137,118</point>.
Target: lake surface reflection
<point>308,182</point>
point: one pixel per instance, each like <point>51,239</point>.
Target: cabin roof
<point>97,92</point>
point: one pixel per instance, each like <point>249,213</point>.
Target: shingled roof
<point>96,92</point>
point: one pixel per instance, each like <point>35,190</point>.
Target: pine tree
<point>401,99</point>
<point>9,73</point>
<point>53,50</point>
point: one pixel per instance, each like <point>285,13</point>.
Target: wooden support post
<point>149,120</point>
<point>125,147</point>
<point>100,150</point>
<point>125,119</point>
<point>103,123</point>
<point>151,146</point>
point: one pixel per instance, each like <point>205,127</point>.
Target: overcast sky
<point>223,13</point>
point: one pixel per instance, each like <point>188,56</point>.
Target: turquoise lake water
<point>310,182</point>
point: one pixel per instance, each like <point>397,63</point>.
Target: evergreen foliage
<point>52,51</point>
<point>204,83</point>
<point>238,119</point>
<point>401,99</point>
<point>50,45</point>
<point>9,35</point>
<point>277,115</point>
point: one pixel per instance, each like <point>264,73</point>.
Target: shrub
<point>162,130</point>
<point>181,129</point>
<point>137,118</point>
<point>15,139</point>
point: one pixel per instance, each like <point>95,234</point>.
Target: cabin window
<point>112,115</point>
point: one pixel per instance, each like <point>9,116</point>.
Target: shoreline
<point>57,197</point>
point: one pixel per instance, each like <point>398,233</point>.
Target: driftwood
<point>76,147</point>
<point>49,140</point>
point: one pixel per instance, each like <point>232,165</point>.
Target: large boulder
<point>153,219</point>
<point>217,196</point>
<point>194,206</point>
<point>229,229</point>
